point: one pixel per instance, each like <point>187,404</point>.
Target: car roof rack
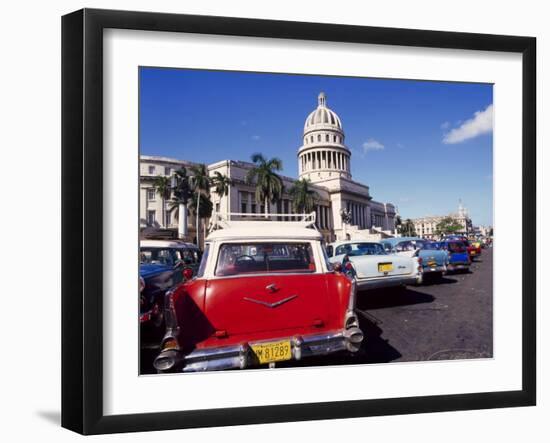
<point>238,219</point>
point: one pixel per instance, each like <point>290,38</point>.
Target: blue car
<point>434,261</point>
<point>459,257</point>
<point>163,265</point>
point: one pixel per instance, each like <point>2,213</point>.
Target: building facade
<point>323,158</point>
<point>427,226</point>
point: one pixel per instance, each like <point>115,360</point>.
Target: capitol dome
<point>322,116</point>
<point>323,153</point>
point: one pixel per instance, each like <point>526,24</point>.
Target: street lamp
<point>346,218</point>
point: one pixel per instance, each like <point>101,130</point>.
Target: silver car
<point>372,266</point>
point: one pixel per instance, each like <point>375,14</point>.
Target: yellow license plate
<point>270,352</point>
<point>385,267</point>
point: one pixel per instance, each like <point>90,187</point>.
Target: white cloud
<point>481,123</point>
<point>372,145</point>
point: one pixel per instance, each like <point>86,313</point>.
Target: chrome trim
<point>270,305</point>
<point>384,282</point>
<point>241,356</point>
<point>169,358</point>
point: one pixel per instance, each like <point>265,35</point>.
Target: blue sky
<point>420,145</point>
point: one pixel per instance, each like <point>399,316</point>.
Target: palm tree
<point>163,187</point>
<point>200,184</point>
<point>221,184</point>
<point>303,197</point>
<point>204,211</point>
<point>269,186</point>
<point>407,227</point>
<point>181,195</point>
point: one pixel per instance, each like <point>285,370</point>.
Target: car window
<point>456,246</point>
<point>189,256</point>
<point>157,256</point>
<point>357,249</point>
<point>325,257</point>
<point>251,258</point>
<point>329,250</point>
<point>405,246</point>
<point>430,246</point>
<point>202,266</point>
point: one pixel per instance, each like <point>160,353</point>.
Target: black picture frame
<point>82,190</point>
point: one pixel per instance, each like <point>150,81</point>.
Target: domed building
<point>323,159</point>
<point>323,153</point>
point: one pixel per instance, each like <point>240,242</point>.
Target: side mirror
<point>187,274</point>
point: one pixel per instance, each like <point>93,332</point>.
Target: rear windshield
<point>430,246</point>
<point>456,246</point>
<point>356,249</point>
<point>254,258</point>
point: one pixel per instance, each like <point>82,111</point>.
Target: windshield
<point>430,246</point>
<point>456,246</point>
<point>356,249</point>
<point>251,258</point>
<point>158,256</point>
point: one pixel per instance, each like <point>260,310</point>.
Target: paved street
<point>449,319</point>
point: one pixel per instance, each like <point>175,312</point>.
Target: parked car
<point>476,248</point>
<point>372,267</point>
<point>433,261</point>
<point>459,257</point>
<point>163,264</point>
<point>265,292</point>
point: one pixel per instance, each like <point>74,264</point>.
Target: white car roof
<point>348,242</point>
<point>261,227</point>
<point>251,230</point>
<point>166,244</point>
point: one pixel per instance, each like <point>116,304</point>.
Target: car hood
<point>150,269</point>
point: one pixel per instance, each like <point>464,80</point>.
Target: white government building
<point>427,226</point>
<point>323,158</point>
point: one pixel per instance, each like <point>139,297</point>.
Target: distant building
<point>427,226</point>
<point>323,158</point>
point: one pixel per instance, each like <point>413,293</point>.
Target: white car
<point>372,266</point>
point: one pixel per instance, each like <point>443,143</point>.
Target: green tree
<point>221,184</point>
<point>180,198</point>
<point>448,225</point>
<point>269,186</point>
<point>199,182</point>
<point>398,223</point>
<point>406,228</point>
<point>204,210</point>
<point>303,197</point>
<point>163,187</point>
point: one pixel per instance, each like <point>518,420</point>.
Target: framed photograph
<point>269,221</point>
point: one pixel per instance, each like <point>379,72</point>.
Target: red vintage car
<point>264,292</point>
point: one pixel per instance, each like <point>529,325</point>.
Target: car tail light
<point>169,344</point>
<point>348,266</point>
<point>187,273</point>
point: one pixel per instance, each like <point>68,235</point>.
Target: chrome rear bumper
<point>387,282</point>
<point>241,356</point>
<point>431,269</point>
<point>457,266</point>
